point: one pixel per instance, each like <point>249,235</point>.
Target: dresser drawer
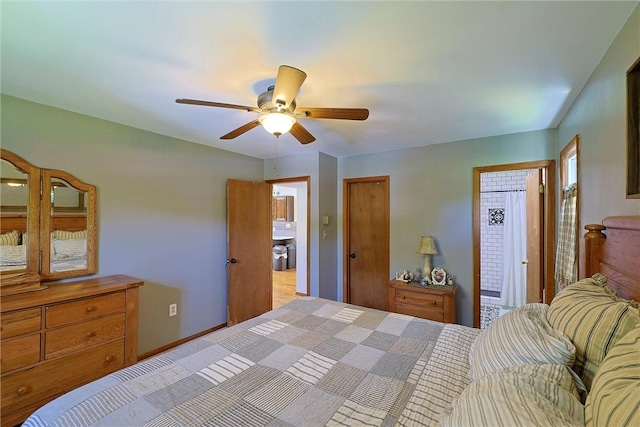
<point>20,322</point>
<point>76,337</point>
<point>75,311</point>
<point>419,298</point>
<point>19,352</point>
<point>48,380</point>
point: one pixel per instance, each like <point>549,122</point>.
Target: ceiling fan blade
<point>242,129</point>
<point>333,113</point>
<point>216,104</point>
<point>301,134</point>
<point>288,84</point>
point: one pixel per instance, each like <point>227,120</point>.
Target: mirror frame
<point>46,225</point>
<point>28,278</point>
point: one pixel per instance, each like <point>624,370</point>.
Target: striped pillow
<point>522,336</point>
<point>12,238</point>
<point>525,395</point>
<point>64,235</point>
<point>615,394</point>
<point>594,319</point>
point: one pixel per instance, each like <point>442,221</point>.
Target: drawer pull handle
<point>433,302</point>
<point>109,359</point>
<point>91,308</point>
<point>91,334</point>
<point>403,297</point>
<point>23,390</point>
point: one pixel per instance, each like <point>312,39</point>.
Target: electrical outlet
<point>173,309</point>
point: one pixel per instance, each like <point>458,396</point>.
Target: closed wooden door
<point>535,235</point>
<point>249,250</point>
<point>366,241</point>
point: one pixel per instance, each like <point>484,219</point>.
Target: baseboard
<point>301,294</point>
<point>177,343</point>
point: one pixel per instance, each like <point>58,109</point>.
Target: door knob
<point>525,261</point>
<point>352,255</point>
<point>232,261</point>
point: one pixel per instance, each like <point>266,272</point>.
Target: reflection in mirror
<point>69,234</point>
<point>14,199</point>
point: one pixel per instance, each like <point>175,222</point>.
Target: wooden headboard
<point>9,222</point>
<point>615,254</point>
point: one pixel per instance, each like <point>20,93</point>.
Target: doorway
<point>513,227</point>
<point>290,239</point>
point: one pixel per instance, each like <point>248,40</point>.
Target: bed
<point>320,362</point>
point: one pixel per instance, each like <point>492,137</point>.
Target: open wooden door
<point>535,235</point>
<point>249,250</point>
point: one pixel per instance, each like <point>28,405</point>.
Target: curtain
<point>566,259</point>
<point>514,250</point>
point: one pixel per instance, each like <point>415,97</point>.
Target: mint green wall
<point>431,194</point>
<point>599,116</point>
<point>161,203</point>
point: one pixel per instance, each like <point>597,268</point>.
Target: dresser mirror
<point>67,226</point>
<point>44,237</point>
<point>19,193</point>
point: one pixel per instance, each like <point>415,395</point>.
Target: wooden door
<point>366,241</point>
<point>249,250</point>
<point>534,236</point>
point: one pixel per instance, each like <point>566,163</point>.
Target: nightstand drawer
<point>421,299</point>
<point>422,312</point>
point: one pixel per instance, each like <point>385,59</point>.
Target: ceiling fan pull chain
<point>275,165</point>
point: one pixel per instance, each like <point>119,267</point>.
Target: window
<point>569,163</point>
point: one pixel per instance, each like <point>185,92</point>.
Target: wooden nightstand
<point>428,302</point>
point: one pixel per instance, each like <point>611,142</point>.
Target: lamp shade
<point>277,123</point>
<point>427,246</point>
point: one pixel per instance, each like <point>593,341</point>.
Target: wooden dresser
<point>59,338</point>
<point>428,302</point>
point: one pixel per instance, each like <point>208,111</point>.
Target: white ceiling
<point>429,72</point>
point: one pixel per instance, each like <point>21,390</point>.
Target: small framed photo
<point>439,276</point>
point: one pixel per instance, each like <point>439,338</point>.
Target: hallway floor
<point>284,287</point>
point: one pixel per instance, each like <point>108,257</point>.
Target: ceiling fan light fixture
<point>277,123</point>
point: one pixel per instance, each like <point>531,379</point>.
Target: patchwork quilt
<point>312,362</point>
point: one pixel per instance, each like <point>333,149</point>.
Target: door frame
<point>346,297</point>
<point>548,167</point>
<point>307,180</point>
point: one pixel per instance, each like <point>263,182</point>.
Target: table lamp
<point>428,248</point>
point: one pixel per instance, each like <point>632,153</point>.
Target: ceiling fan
<point>278,110</point>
